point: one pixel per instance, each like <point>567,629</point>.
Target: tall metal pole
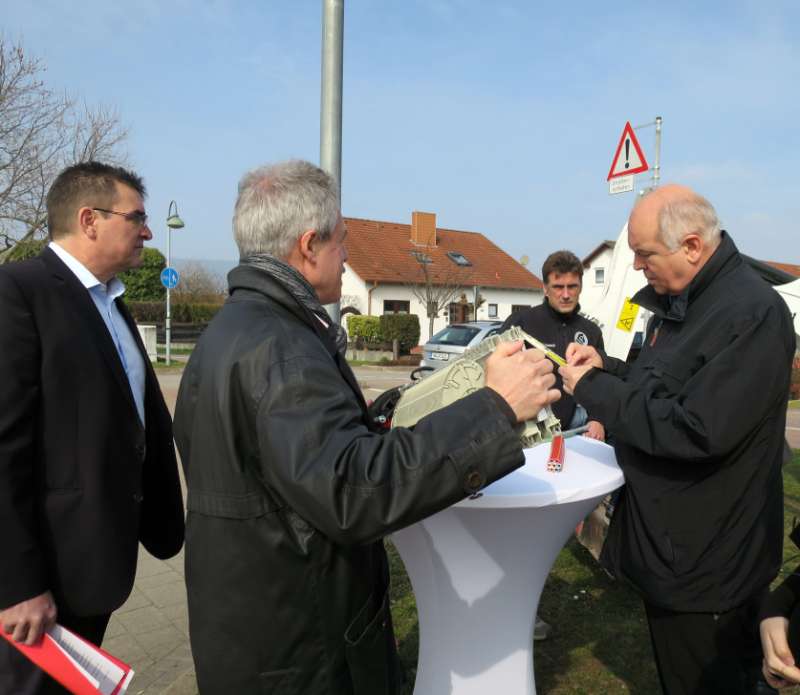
<point>330,131</point>
<point>173,222</point>
<point>656,168</point>
<point>169,314</point>
<point>657,164</point>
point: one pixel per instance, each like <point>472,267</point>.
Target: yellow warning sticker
<point>628,315</point>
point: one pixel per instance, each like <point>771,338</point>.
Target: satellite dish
<point>524,260</point>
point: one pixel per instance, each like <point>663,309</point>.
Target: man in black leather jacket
<point>698,422</point>
<point>289,491</point>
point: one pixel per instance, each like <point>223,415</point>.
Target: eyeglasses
<point>138,217</point>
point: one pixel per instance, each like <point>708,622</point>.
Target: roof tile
<point>786,268</point>
<point>382,252</point>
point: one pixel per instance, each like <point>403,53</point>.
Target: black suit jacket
<point>81,481</point>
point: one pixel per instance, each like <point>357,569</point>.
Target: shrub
<point>27,249</point>
<point>195,312</point>
<point>147,312</point>
<point>156,312</point>
<point>143,284</point>
<point>366,328</point>
<point>401,327</point>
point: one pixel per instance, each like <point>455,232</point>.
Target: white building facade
<point>391,264</point>
<point>376,299</point>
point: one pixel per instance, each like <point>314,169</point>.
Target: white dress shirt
<point>103,296</point>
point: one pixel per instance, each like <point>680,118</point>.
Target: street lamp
<point>169,277</point>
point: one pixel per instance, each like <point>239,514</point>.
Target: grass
<point>794,405</point>
<point>176,365</point>
<point>600,642</point>
<point>174,351</point>
<point>383,362</point>
<point>162,367</point>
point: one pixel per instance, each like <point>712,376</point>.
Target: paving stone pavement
<point>151,629</point>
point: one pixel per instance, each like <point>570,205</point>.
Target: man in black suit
<point>87,463</point>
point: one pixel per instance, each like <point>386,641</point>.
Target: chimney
<point>423,228</point>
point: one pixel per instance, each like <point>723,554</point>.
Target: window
<point>396,306</point>
<point>455,335</point>
<point>599,276</point>
<point>519,307</point>
<point>421,257</point>
<point>493,311</point>
<point>459,312</point>
<point>458,258</point>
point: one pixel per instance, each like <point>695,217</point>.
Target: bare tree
<point>41,132</point>
<point>198,284</point>
<point>437,284</point>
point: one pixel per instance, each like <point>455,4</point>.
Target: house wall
<point>355,293</point>
<point>592,291</point>
<point>505,299</point>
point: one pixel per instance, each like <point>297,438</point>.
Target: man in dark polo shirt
<point>557,323</point>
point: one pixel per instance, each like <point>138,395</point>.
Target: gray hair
<point>277,203</point>
<point>690,215</point>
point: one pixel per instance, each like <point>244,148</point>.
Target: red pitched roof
<point>786,268</point>
<point>382,252</point>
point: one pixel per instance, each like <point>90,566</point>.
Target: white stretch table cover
<point>478,568</point>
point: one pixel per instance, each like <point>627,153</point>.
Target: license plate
<point>443,356</point>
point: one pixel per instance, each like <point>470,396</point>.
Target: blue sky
<point>500,117</point>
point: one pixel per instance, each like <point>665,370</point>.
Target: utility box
<point>148,333</point>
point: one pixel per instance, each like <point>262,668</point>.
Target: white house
<point>595,267</point>
<point>387,259</point>
<point>596,278</point>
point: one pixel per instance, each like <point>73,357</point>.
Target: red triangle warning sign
<point>629,158</point>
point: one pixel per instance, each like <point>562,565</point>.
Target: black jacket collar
<point>248,278</point>
<point>673,307</point>
<point>564,318</point>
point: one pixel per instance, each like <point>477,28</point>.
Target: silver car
<point>451,342</point>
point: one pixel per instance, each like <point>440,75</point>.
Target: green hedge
<point>26,249</point>
<point>143,284</point>
<point>401,327</point>
<point>382,330</point>
<point>366,328</point>
<point>156,312</point>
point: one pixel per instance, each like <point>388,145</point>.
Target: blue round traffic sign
<point>169,278</point>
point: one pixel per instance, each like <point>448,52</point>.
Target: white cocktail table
<point>478,568</point>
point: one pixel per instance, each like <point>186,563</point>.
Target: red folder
<point>80,666</point>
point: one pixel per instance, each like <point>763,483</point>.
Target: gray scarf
<point>301,290</point>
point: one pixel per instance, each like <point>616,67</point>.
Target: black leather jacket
<point>290,494</point>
